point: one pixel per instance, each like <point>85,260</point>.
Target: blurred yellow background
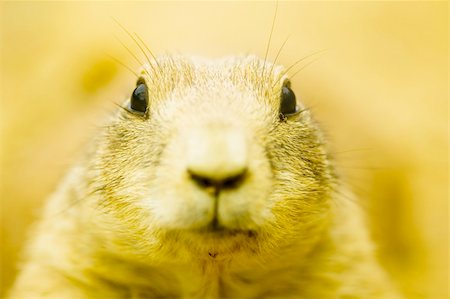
<point>380,92</point>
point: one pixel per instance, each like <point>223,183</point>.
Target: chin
<point>215,242</point>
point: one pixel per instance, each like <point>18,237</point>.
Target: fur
<point>127,222</point>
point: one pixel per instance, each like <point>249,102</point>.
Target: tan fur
<point>127,221</point>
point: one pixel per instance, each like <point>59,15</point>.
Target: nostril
<point>234,181</point>
<point>202,181</point>
<point>229,182</point>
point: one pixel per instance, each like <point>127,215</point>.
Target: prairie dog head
<point>214,156</point>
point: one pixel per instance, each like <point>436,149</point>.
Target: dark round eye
<point>288,104</point>
<point>139,99</point>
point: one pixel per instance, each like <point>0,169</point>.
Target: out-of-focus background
<point>380,91</point>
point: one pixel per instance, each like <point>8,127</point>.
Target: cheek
<point>173,201</point>
<point>181,208</point>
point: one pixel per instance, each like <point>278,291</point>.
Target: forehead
<point>170,72</point>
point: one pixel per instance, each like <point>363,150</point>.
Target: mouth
<point>220,241</point>
<point>214,229</point>
<point>217,241</point>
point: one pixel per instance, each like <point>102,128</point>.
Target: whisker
<point>142,50</point>
<point>148,49</point>
<point>122,64</point>
<point>347,196</point>
<point>357,150</point>
<point>297,62</point>
<point>129,51</point>
<point>278,53</point>
<point>304,66</point>
<point>132,37</point>
<point>304,58</point>
<point>72,204</point>
<point>152,55</point>
<point>120,106</point>
<point>270,39</point>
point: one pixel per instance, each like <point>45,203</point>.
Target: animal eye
<point>288,103</point>
<point>139,99</point>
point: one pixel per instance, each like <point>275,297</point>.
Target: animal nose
<point>225,183</point>
<point>217,157</point>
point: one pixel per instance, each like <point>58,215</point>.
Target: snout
<point>217,157</point>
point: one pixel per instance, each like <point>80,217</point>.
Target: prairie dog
<point>213,181</point>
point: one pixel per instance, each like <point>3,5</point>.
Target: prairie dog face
<point>215,155</point>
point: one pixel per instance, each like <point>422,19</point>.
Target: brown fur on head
<point>224,108</point>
